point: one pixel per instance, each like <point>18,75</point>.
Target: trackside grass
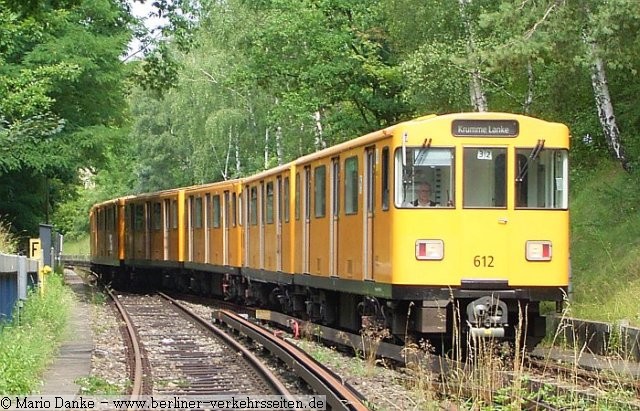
<point>605,245</point>
<point>78,246</point>
<point>28,344</point>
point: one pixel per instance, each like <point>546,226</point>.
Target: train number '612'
<point>483,261</point>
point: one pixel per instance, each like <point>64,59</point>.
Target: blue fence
<point>17,274</point>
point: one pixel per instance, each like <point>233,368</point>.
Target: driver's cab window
<point>424,177</point>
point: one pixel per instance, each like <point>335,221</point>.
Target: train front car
<point>480,225</point>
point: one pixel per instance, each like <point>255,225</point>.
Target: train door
<point>166,223</point>
<point>207,217</point>
<point>334,202</point>
<point>278,218</point>
<point>306,207</point>
<point>261,223</point>
<point>368,190</point>
<point>190,229</point>
<point>225,228</point>
<point>147,230</point>
<point>130,216</point>
<point>287,225</point>
<point>485,195</point>
<point>381,238</point>
<point>244,216</point>
<point>350,227</point>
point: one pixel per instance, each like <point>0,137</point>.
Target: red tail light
<point>538,250</point>
<point>429,249</point>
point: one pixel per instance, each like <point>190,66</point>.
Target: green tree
<point>61,88</point>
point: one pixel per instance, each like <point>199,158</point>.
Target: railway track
<point>177,355</point>
<point>174,355</point>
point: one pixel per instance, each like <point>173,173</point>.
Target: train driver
<point>424,196</point>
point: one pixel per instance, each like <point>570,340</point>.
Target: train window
<point>484,178</point>
<point>156,216</point>
<point>253,206</point>
<point>100,220</point>
<point>307,193</point>
<point>107,221</point>
<point>297,196</point>
<point>216,211</point>
<point>335,184</point>
<point>105,217</point>
<point>174,214</point>
<point>166,216</point>
<point>269,203</point>
<point>128,215</point>
<point>227,210</point>
<point>237,209</point>
<point>541,178</point>
<point>424,177</point>
<point>285,197</point>
<point>320,205</point>
<point>197,212</point>
<point>351,185</point>
<point>208,207</point>
<point>385,178</point>
<point>139,217</point>
<point>278,199</point>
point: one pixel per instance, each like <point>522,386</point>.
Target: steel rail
<point>136,389</point>
<point>274,381</point>
<point>340,396</point>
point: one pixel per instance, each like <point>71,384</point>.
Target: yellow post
<point>44,272</point>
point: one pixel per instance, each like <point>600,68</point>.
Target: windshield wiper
<point>534,154</point>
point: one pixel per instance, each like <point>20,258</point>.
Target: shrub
<point>28,343</point>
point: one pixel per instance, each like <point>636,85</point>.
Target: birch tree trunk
<point>279,153</point>
<point>266,148</point>
<point>604,105</point>
<point>478,97</point>
<point>318,132</point>
<point>236,141</point>
<point>528,98</point>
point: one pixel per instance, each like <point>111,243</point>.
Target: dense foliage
<point>230,87</point>
<point>62,92</point>
<point>263,82</point>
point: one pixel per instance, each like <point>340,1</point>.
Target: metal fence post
<point>22,277</point>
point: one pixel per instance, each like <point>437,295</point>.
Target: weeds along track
<point>490,374</point>
<point>178,356</point>
<point>605,388</point>
<point>493,375</point>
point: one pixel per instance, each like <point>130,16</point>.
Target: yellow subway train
<point>444,223</point>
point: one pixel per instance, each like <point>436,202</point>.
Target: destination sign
<point>484,128</point>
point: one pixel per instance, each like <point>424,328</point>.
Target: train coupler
<point>487,317</point>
